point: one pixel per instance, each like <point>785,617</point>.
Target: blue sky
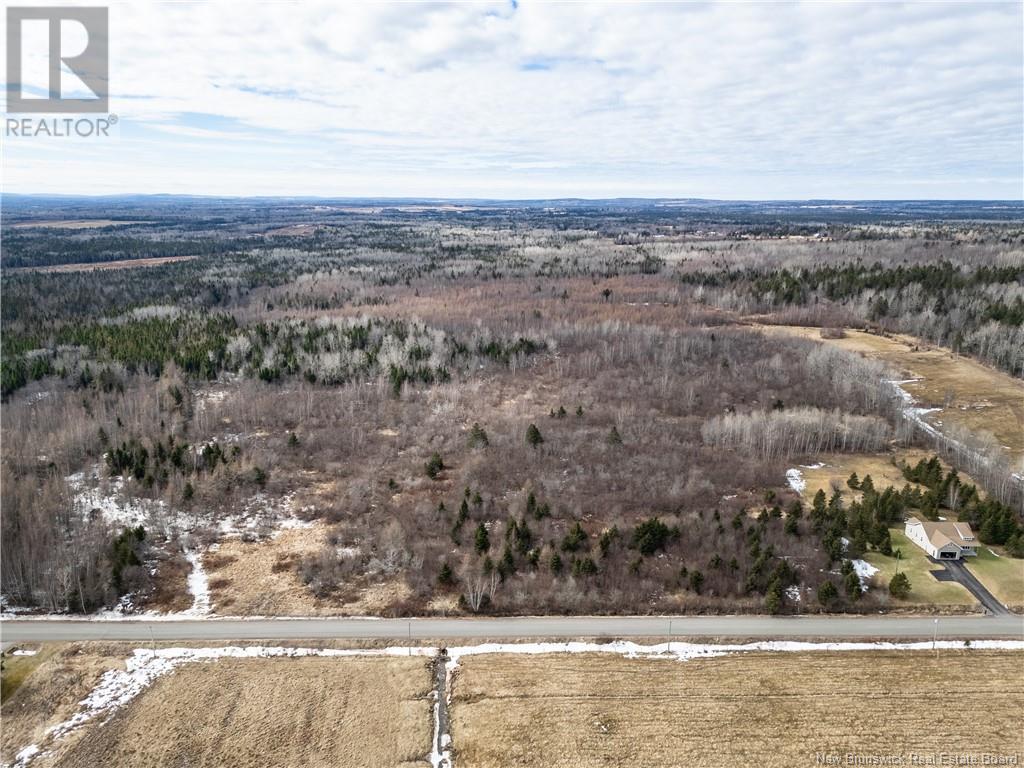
<point>738,100</point>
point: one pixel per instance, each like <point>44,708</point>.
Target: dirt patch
<point>742,710</point>
<point>271,712</point>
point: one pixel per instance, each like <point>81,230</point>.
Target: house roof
<point>942,533</point>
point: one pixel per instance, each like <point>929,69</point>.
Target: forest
<point>537,408</point>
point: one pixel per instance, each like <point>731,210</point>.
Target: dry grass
<point>742,710</point>
<point>883,468</point>
<point>270,712</point>
<point>1001,574</point>
<point>55,681</point>
<point>261,579</point>
<point>156,261</point>
<point>973,395</point>
<point>72,224</point>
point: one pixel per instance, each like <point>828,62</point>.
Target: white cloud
<point>723,100</point>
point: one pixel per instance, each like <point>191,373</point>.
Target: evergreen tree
<point>533,436</point>
<point>899,585</point>
<point>481,540</point>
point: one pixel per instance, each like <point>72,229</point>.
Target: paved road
<point>958,570</point>
<point>549,627</point>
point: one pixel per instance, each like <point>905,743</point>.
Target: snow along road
<point>521,628</point>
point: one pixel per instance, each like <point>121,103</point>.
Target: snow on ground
<point>793,593</point>
<point>117,687</point>
<point>112,502</point>
<point>795,477</point>
<point>198,585</point>
<point>864,571</point>
<point>23,652</point>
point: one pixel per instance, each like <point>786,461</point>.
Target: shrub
<point>434,466</point>
<point>899,586</point>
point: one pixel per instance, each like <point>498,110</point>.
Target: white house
<point>942,540</point>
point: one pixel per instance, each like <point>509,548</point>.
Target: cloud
<point>716,100</point>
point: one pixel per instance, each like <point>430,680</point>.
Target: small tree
<point>445,577</point>
<point>556,563</point>
<point>481,540</point>
<point>851,584</point>
<point>853,482</point>
<point>827,594</point>
<point>533,436</point>
<point>478,437</point>
<point>696,581</point>
<point>614,438</point>
<point>434,466</point>
<point>899,586</point>
<point>293,440</point>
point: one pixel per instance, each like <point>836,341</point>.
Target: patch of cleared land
<point>261,578</point>
<point>269,712</point>
<point>73,224</point>
<point>883,468</point>
<point>1001,574</point>
<point>925,589</point>
<point>972,395</point>
<point>753,709</point>
<point>101,265</point>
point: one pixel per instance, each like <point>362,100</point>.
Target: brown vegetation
<point>741,710</point>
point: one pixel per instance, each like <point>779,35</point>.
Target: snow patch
<point>793,593</point>
<point>796,481</point>
<point>864,571</point>
<point>23,652</point>
<point>198,585</point>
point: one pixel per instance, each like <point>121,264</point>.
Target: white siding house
<point>942,540</point>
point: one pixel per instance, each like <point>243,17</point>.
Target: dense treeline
<point>974,309</point>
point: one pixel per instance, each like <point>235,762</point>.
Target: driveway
<point>959,573</point>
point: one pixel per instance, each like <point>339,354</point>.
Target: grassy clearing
<point>17,668</point>
<point>270,712</point>
<point>973,395</point>
<point>1001,574</point>
<point>743,710</point>
<point>883,468</point>
<point>925,589</point>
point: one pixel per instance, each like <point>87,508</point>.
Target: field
<point>972,395</point>
<point>838,466</point>
<point>744,710</point>
<point>358,711</point>
<point>48,687</point>
<point>104,265</point>
<point>73,224</point>
<point>1001,574</point>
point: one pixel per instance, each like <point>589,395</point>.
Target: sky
<point>739,100</point>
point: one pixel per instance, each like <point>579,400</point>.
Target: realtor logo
<point>57,60</point>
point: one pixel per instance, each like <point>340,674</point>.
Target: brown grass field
<point>973,395</point>
<point>102,265</point>
<point>742,710</point>
<point>268,712</point>
<point>72,224</point>
<point>49,687</point>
